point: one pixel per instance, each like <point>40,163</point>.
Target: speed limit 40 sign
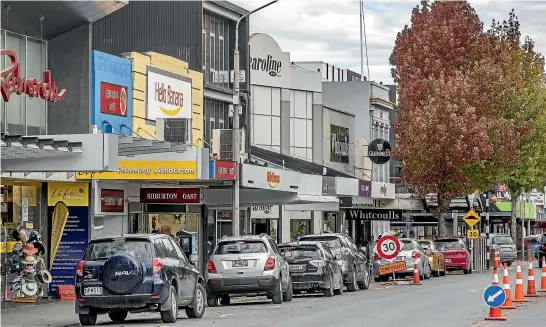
<point>388,247</point>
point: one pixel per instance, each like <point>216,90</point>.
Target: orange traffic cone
<point>497,259</point>
<point>495,313</point>
<point>506,285</point>
<point>519,298</point>
<point>416,280</point>
<point>543,276</point>
<point>531,287</point>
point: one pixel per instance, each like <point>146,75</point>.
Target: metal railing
<point>478,252</point>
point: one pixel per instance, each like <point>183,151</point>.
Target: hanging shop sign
<point>168,95</point>
<point>147,170</point>
<point>328,185</point>
<point>13,83</point>
<point>170,195</point>
<point>113,99</point>
<point>68,212</point>
<point>373,214</point>
<point>225,170</point>
<point>264,212</point>
<point>364,188</point>
<point>339,144</point>
<point>112,200</point>
<point>379,151</point>
<point>270,178</point>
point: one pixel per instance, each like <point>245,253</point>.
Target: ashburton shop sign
<point>373,214</point>
<point>13,83</point>
<point>170,195</point>
<point>271,66</point>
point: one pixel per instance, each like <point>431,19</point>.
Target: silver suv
<point>247,266</point>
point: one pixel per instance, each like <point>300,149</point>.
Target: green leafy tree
<point>451,91</point>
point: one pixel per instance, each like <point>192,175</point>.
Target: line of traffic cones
<point>416,278</point>
<point>543,276</point>
<point>495,313</point>
<point>508,305</point>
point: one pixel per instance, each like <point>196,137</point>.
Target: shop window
<point>176,130</point>
<point>21,204</point>
<point>171,223</point>
<point>299,228</point>
<point>216,49</point>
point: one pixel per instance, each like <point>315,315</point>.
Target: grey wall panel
<point>318,141</point>
<point>173,28</point>
<point>68,59</point>
<point>285,127</point>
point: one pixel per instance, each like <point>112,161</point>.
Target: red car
<point>456,254</point>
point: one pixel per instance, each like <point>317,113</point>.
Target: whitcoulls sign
<point>168,97</point>
<point>379,151</point>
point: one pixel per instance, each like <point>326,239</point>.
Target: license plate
<point>448,260</point>
<point>400,258</point>
<point>92,291</point>
<point>239,263</point>
<point>296,267</point>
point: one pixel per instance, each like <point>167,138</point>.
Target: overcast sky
<point>328,30</point>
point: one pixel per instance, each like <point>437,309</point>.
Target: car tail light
<point>430,254</point>
<point>157,265</point>
<point>269,264</point>
<point>376,257</point>
<point>416,255</point>
<point>543,247</point>
<point>79,269</point>
<point>211,267</point>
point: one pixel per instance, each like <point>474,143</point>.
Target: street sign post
<point>471,218</point>
<point>388,247</point>
<point>472,234</point>
<point>494,296</point>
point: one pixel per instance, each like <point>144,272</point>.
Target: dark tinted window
<point>103,250</point>
<point>328,253</point>
<point>450,244</point>
<point>333,242</point>
<point>243,246</point>
<point>301,252</point>
<point>408,246</point>
<point>178,250</point>
<point>503,240</point>
<point>159,248</point>
<point>170,251</point>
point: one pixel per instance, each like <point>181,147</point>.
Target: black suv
<point>137,273</point>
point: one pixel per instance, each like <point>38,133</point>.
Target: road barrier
<point>479,253</point>
<point>508,305</point>
<point>531,287</point>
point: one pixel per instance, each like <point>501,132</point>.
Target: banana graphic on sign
<point>171,112</point>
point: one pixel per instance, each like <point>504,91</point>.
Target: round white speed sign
<point>388,247</point>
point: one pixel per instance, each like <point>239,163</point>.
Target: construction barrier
<point>495,313</point>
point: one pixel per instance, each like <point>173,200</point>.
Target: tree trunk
<point>442,229</point>
<point>513,227</point>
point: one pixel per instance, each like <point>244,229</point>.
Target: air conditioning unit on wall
<point>222,144</point>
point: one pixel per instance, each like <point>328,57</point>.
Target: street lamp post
<point>236,112</point>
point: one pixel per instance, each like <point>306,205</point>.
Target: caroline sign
<point>269,65</point>
<point>168,97</point>
<point>13,83</point>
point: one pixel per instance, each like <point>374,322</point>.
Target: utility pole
<point>236,219</point>
<point>487,229</point>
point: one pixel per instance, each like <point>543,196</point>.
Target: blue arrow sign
<point>494,296</point>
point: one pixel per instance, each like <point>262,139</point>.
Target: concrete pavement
<point>451,301</point>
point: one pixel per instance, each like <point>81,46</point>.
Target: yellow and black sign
<point>147,169</point>
<point>392,268</point>
<point>472,234</point>
<point>471,218</point>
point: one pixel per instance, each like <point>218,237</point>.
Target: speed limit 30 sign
<point>388,247</point>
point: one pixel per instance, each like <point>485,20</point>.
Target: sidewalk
<point>51,313</point>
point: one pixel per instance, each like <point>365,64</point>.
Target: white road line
<point>226,315</point>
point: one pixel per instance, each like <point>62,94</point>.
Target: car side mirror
<point>338,256</point>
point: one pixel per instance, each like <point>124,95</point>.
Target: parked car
<point>505,245</point>
<point>247,266</point>
<point>436,258</point>
<point>137,273</point>
<point>353,260</point>
<point>456,254</point>
<point>313,267</point>
<point>411,253</point>
<point>534,241</point>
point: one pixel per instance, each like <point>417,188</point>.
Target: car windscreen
<point>243,246</point>
<point>104,249</point>
<point>301,252</point>
<point>331,241</point>
<point>449,244</point>
<point>407,246</point>
<point>502,240</point>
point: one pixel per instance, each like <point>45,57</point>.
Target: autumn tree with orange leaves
<point>451,87</point>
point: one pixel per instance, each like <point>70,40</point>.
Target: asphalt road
<point>451,301</point>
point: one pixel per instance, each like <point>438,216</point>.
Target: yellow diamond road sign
<point>471,218</point>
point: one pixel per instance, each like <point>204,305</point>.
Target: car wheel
<point>351,287</point>
<point>118,316</point>
<point>442,273</point>
<point>540,263</point>
<point>429,272</point>
<point>225,300</point>
<point>364,285</point>
<point>198,310</point>
<point>88,319</point>
<point>277,296</point>
<point>171,315</point>
<point>289,292</point>
<point>329,292</point>
<point>212,302</point>
<point>466,271</point>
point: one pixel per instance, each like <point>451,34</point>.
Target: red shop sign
<point>13,83</point>
<point>112,200</point>
<point>170,195</point>
<point>226,170</point>
<point>113,99</point>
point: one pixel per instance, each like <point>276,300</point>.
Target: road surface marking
<point>226,315</point>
